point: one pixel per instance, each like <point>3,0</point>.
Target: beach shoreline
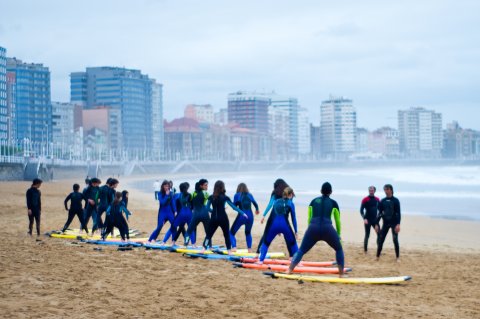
<point>56,278</point>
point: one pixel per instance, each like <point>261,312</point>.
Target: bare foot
<point>342,276</point>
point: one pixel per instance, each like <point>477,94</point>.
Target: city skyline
<point>383,56</point>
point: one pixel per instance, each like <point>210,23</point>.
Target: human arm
<point>294,216</point>
<point>399,214</point>
<point>236,199</point>
<point>209,203</point>
<point>336,216</point>
<point>255,204</point>
<point>165,199</point>
<point>126,211</point>
<point>362,211</point>
<point>380,212</point>
<point>310,214</point>
<point>268,208</point>
<point>235,208</point>
<point>66,200</point>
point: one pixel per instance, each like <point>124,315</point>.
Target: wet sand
<point>55,278</point>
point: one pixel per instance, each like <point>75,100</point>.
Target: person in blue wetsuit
<point>76,207</point>
<point>320,227</point>
<point>118,213</point>
<point>219,216</point>
<point>200,212</point>
<point>165,211</point>
<point>243,200</point>
<point>278,187</point>
<point>368,210</point>
<point>389,211</point>
<point>183,204</point>
<point>281,209</point>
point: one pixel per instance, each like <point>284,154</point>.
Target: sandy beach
<point>55,278</point>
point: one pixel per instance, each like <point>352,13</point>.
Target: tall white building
<point>338,127</point>
<point>420,133</point>
<point>63,128</point>
<point>290,106</point>
<point>157,118</point>
<point>4,126</point>
<point>304,147</point>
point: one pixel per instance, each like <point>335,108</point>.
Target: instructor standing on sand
<point>368,210</point>
<point>34,205</point>
<point>389,211</point>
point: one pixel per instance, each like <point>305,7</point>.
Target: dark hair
<point>219,189</point>
<point>202,181</point>
<point>76,187</point>
<point>37,181</point>
<point>278,187</point>
<point>242,188</point>
<point>124,197</point>
<point>184,187</point>
<point>113,181</point>
<point>109,180</point>
<point>389,186</point>
<point>95,180</point>
<point>197,187</point>
<point>118,198</point>
<point>326,189</point>
<point>165,182</point>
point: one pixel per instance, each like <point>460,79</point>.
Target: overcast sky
<point>385,55</point>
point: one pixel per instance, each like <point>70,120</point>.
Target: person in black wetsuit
<point>320,228</point>
<point>219,216</point>
<point>91,196</point>
<point>389,211</point>
<point>34,205</point>
<point>368,210</point>
<point>106,195</point>
<point>76,207</point>
<point>278,187</point>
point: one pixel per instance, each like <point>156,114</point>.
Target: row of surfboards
<point>272,266</point>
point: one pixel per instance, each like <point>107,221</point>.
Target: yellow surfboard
<point>329,279</point>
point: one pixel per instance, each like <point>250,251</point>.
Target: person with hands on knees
<point>320,227</point>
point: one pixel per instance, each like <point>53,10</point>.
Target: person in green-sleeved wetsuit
<point>200,212</point>
<point>320,228</point>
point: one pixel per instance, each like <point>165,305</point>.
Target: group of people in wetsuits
<point>373,210</point>
<point>185,211</point>
<point>98,200</point>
